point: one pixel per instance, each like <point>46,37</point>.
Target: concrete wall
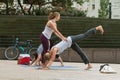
<point>2,56</point>
<point>96,55</point>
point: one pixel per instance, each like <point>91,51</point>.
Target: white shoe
<point>107,69</point>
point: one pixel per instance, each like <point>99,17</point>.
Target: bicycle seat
<point>29,40</point>
<point>22,43</point>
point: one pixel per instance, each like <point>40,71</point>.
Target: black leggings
<point>80,52</point>
<point>76,47</point>
<point>87,34</point>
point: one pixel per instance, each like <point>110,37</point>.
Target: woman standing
<point>51,27</point>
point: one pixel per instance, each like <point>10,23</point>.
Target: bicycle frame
<point>28,45</point>
<point>17,45</point>
<point>12,52</point>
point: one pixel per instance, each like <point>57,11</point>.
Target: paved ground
<point>9,70</point>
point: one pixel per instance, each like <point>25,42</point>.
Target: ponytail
<point>52,15</point>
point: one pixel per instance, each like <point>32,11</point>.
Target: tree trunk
<point>21,7</point>
<point>7,9</point>
<point>31,6</point>
<point>39,5</point>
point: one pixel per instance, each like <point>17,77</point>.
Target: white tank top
<point>63,45</point>
<point>47,32</point>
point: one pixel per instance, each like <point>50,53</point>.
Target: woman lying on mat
<point>61,46</point>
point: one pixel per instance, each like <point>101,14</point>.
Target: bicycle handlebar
<point>28,42</point>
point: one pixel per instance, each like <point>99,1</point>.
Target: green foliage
<point>40,12</point>
<point>81,1</point>
<point>66,6</point>
<point>73,12</point>
<point>56,6</point>
<point>66,3</point>
<point>7,1</point>
<point>104,10</point>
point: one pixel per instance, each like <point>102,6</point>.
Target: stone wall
<point>2,56</point>
<point>96,55</point>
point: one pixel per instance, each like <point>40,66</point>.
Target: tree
<point>57,4</point>
<point>104,9</point>
<point>67,7</point>
<point>67,3</point>
<point>19,2</point>
<point>7,2</point>
<point>7,7</point>
<point>31,2</point>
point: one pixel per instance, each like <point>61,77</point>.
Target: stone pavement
<point>9,70</point>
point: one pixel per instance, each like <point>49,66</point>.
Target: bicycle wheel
<point>11,53</point>
<point>31,51</point>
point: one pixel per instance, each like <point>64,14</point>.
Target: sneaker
<point>106,69</point>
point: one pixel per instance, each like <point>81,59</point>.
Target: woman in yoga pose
<point>71,42</point>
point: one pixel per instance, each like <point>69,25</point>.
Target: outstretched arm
<point>56,31</point>
<point>52,58</point>
<point>60,59</point>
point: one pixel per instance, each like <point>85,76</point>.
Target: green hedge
<point>30,27</point>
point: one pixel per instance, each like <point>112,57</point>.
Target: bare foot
<point>62,65</point>
<point>88,67</point>
<point>100,28</point>
<point>45,68</point>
